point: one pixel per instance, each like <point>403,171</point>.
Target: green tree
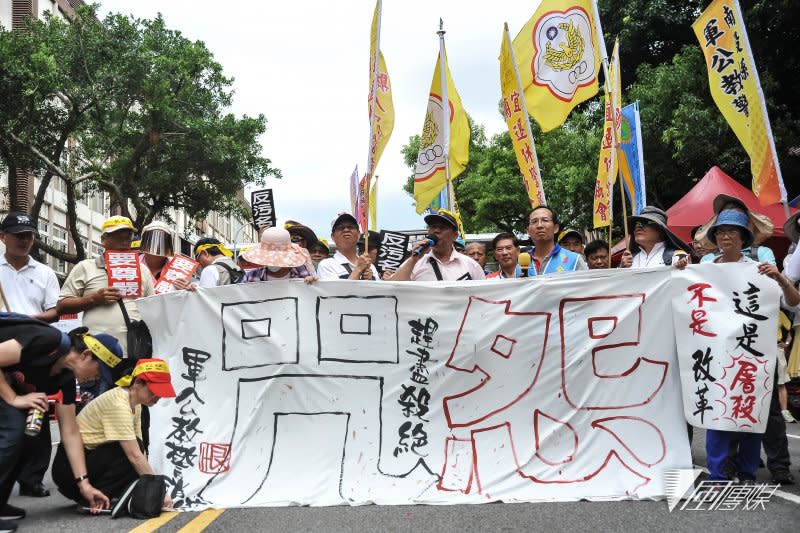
<point>129,107</point>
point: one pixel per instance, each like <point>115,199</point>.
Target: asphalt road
<point>782,513</point>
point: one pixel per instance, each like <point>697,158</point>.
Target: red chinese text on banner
<point>122,267</point>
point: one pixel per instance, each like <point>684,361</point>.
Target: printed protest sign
<point>391,250</point>
<point>122,268</point>
<point>263,206</point>
<point>726,328</point>
<point>179,267</point>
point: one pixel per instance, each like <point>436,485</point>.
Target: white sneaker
<point>787,415</point>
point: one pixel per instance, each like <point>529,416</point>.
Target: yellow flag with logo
<point>607,165</point>
<point>430,172</point>
<point>558,59</point>
<point>736,90</point>
<point>381,107</point>
<point>519,128</point>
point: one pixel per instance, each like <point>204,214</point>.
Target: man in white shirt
<point>653,243</point>
<point>346,263</point>
<point>217,263</point>
<point>30,288</point>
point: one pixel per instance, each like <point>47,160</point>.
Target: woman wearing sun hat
<point>760,226</point>
<point>279,258</point>
<point>731,233</point>
<point>111,430</point>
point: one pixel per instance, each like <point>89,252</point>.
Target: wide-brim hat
<point>659,218</point>
<point>305,232</point>
<point>731,217</point>
<point>276,249</point>
<point>790,227</point>
<point>761,226</point>
<point>442,216</point>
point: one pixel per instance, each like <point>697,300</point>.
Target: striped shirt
<point>109,418</point>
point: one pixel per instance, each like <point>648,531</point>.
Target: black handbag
<point>140,342</point>
<point>144,498</point>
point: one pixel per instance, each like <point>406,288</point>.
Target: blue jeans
<point>717,444</point>
<point>12,446</point>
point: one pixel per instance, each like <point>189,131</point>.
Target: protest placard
<point>391,250</point>
<point>263,205</point>
<point>122,267</point>
<point>179,267</point>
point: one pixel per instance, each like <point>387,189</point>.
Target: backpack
<point>143,498</point>
<point>236,274</point>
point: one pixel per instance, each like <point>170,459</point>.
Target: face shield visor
<point>157,242</point>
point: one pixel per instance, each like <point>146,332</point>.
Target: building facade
<point>93,208</point>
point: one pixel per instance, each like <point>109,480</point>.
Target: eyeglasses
<point>536,221</point>
<point>727,232</point>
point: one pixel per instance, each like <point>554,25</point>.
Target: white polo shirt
<point>334,268</point>
<point>31,290</point>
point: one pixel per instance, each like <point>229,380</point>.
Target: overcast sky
<point>305,66</point>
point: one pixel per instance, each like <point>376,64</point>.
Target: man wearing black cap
<point>30,288</point>
<point>441,262</point>
<point>346,263</point>
<point>653,243</point>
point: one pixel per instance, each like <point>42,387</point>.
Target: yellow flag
<point>373,205</point>
<point>558,59</point>
<point>737,92</point>
<point>381,107</point>
<point>516,115</point>
<point>430,173</point>
<point>607,164</point>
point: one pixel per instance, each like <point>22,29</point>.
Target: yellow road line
<point>154,523</point>
<point>201,521</point>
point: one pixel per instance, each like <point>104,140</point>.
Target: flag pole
<point>763,103</point>
<point>540,192</point>
<point>372,111</point>
<point>370,223</point>
<point>445,113</point>
<point>601,43</point>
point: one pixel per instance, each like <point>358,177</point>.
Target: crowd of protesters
<point>103,447</point>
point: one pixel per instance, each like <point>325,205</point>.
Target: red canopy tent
<point>695,207</point>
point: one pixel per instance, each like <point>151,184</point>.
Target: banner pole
<point>601,43</point>
<point>445,112</point>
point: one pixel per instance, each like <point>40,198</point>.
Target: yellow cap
<point>117,223</point>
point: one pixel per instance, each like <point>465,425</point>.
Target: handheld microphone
<point>524,261</point>
<point>430,240</point>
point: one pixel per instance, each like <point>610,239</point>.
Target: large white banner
<point>552,388</point>
<point>726,325</point>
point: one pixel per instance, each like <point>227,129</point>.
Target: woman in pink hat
<point>279,258</point>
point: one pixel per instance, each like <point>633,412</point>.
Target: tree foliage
<point>684,134</point>
<point>126,106</point>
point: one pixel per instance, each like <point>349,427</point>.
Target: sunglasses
<point>642,224</point>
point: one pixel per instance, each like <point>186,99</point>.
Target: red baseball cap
<point>155,373</point>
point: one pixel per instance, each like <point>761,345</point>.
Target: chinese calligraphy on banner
<point>555,388</point>
<point>736,90</point>
<point>726,323</point>
<point>122,267</point>
<point>391,250</point>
